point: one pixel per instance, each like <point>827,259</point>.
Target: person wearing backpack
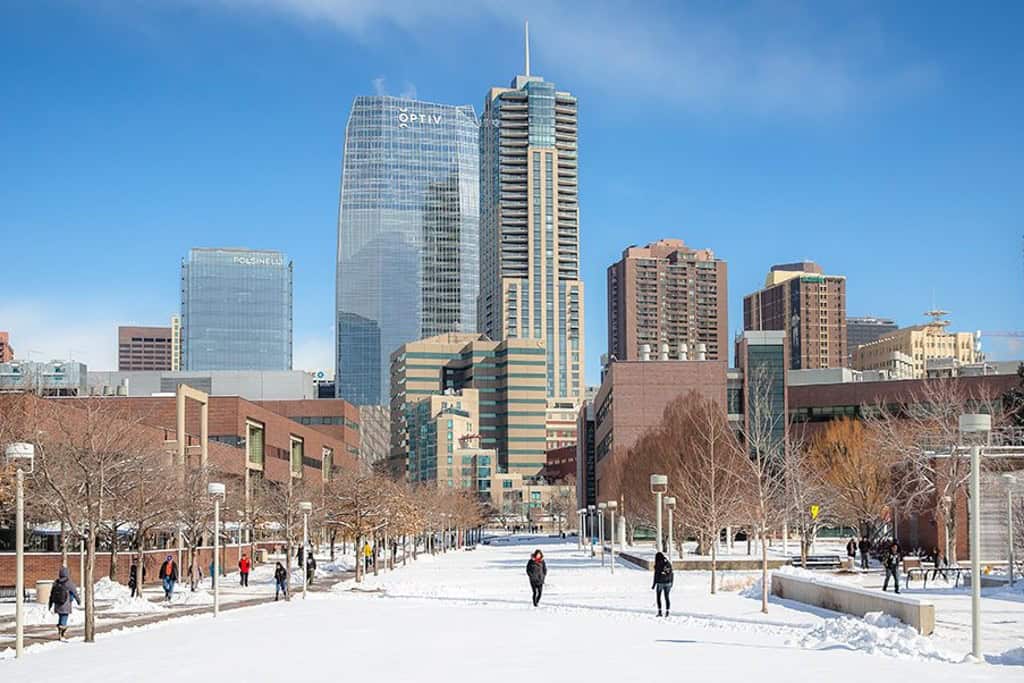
<point>62,593</point>
<point>662,581</point>
<point>280,582</point>
<point>169,576</point>
<point>537,572</point>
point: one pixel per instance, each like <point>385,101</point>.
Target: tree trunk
<point>90,599</point>
<point>63,546</point>
<point>764,572</point>
<point>113,554</point>
<point>714,566</point>
<point>288,568</point>
<point>359,558</point>
<point>334,536</point>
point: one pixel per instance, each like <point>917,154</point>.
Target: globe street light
<point>600,527</point>
<point>216,492</point>
<point>1009,479</point>
<point>305,507</point>
<point>612,505</point>
<point>20,456</point>
<point>976,426</point>
<point>659,485</point>
<point>670,503</point>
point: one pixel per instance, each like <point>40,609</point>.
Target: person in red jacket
<point>243,569</point>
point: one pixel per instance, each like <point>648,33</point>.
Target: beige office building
<point>560,423</point>
<point>530,285</point>
<point>510,377</point>
<point>918,345</point>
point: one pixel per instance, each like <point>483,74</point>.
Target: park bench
<point>10,592</point>
<point>818,561</point>
<point>943,571</point>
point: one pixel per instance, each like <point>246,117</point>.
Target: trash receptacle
<point>43,592</point>
<point>261,555</point>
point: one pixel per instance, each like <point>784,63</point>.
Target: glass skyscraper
<point>236,310</point>
<point>408,235</point>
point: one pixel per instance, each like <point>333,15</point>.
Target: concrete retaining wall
<point>854,600</point>
<point>731,564</point>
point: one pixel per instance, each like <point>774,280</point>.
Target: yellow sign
<point>815,509</point>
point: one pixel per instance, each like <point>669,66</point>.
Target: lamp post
<point>977,426</point>
<point>659,485</point>
<point>579,528</point>
<point>22,457</point>
<point>216,492</point>
<point>600,527</point>
<point>670,503</point>
<point>305,508</point>
<point>1009,479</point>
<point>241,516</point>
<point>591,509</point>
<point>612,505</point>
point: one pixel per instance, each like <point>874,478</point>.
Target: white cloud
<point>766,57</point>
<point>313,352</point>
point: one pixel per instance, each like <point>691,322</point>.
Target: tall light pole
<point>1009,479</point>
<point>241,516</point>
<point>612,505</point>
<point>670,503</point>
<point>216,492</point>
<point>579,528</point>
<point>21,456</point>
<point>600,527</point>
<point>976,426</point>
<point>591,509</point>
<point>659,485</point>
<point>305,507</point>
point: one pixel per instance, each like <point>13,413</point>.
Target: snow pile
<point>39,615</point>
<point>129,605</point>
<point>1012,657</point>
<point>753,591</point>
<point>820,577</point>
<point>191,599</point>
<point>105,589</point>
<point>876,633</point>
<point>742,582</point>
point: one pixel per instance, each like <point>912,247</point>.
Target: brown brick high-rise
<point>809,306</point>
<point>668,293</point>
<point>143,348</point>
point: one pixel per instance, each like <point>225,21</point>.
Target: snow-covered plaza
<point>467,616</point>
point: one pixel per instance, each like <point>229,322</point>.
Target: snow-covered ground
<point>466,615</point>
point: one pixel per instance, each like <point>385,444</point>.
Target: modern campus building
<point>375,434</point>
<point>408,235</point>
<point>916,348</point>
<point>236,310</point>
<point>586,475</point>
<point>799,299</point>
<point>560,423</point>
<point>444,442</point>
<point>668,300</point>
<point>762,359</point>
<point>6,350</point>
<point>144,348</point>
<point>266,385</point>
<point>530,285</point>
<point>510,377</point>
<point>866,329</point>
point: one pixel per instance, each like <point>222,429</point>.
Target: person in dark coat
<point>299,555</point>
<point>851,550</point>
<point>133,578</point>
<point>280,581</point>
<point>310,569</point>
<point>169,576</point>
<point>62,593</point>
<point>537,571</point>
<point>662,584</point>
<point>865,549</point>
<point>892,566</point>
<point>938,564</point>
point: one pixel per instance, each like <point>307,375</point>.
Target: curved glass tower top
<point>408,235</point>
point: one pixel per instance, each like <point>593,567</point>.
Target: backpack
<point>59,593</point>
<point>665,575</point>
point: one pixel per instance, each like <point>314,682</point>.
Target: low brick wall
<point>854,600</point>
<point>42,566</point>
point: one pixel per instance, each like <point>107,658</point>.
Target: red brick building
<point>559,464</point>
<point>144,348</point>
<point>6,351</point>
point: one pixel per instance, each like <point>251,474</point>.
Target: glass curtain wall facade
<point>408,235</point>
<point>529,226</point>
<point>236,310</point>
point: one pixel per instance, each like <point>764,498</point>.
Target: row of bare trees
<point>764,474</point>
<point>102,475</point>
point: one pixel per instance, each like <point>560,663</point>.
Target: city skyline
<point>728,187</point>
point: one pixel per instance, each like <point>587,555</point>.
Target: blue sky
<point>882,141</point>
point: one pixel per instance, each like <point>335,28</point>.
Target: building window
<point>255,444</point>
<point>296,456</point>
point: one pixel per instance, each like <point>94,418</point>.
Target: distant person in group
<point>133,578</point>
<point>195,574</point>
<point>938,563</point>
<point>280,581</point>
<point>310,569</point>
<point>851,551</point>
<point>368,555</point>
<point>243,570</point>
<point>662,584</point>
<point>62,593</point>
<point>300,555</point>
<point>169,576</point>
<point>537,571</point>
<point>892,566</point>
<point>865,550</point>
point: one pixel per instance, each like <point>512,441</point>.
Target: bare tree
<point>808,489</point>
<point>353,504</point>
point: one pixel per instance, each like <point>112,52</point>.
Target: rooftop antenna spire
<point>527,46</point>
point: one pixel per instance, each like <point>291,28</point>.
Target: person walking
<point>133,578</point>
<point>851,552</point>
<point>865,549</point>
<point>280,581</point>
<point>169,576</point>
<point>537,571</point>
<point>62,593</point>
<point>368,555</point>
<point>195,573</point>
<point>662,584</point>
<point>300,554</point>
<point>938,562</point>
<point>243,570</point>
<point>892,566</point>
<point>310,569</point>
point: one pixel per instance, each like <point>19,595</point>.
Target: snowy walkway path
<point>466,616</point>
